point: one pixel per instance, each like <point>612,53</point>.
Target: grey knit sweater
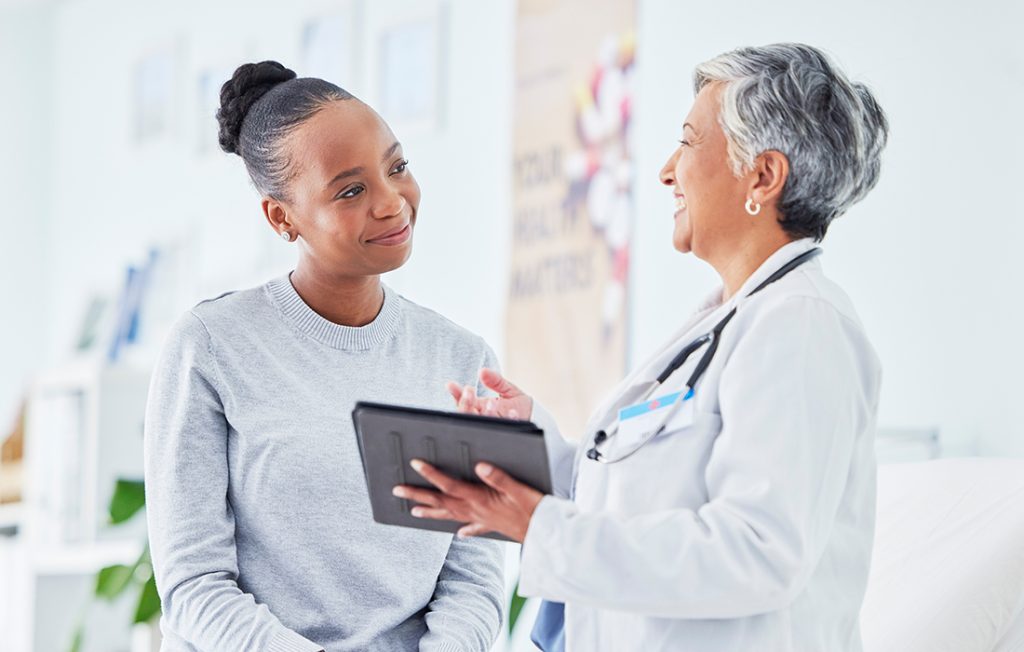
<point>259,521</point>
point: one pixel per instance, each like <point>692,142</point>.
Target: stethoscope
<point>647,390</point>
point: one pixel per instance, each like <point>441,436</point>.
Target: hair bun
<point>250,82</point>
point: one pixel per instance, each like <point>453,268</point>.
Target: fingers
<point>436,513</point>
<point>431,503</point>
<point>468,401</point>
<point>499,384</point>
<point>497,479</point>
<point>445,483</point>
<point>416,494</point>
<point>455,390</point>
<point>472,530</point>
<point>491,408</point>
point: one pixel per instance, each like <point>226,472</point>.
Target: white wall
<point>132,195</point>
<point>26,53</point>
<point>928,257</point>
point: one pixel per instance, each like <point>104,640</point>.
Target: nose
<point>390,204</point>
<point>668,172</point>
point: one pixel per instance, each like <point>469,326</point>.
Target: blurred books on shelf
<point>10,519</point>
<point>127,323</point>
<point>92,323</point>
<point>12,452</point>
<point>129,309</point>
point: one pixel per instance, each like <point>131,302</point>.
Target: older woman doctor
<point>724,494</point>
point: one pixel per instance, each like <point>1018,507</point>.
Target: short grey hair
<point>793,99</point>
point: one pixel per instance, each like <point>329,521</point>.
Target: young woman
<point>259,520</point>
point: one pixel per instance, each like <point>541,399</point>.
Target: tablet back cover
<point>391,436</point>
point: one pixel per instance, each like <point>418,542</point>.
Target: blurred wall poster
<point>572,203</point>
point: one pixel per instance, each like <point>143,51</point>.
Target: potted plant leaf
<point>114,581</point>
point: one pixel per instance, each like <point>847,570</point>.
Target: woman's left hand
<point>502,505</point>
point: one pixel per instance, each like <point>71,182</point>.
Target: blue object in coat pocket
<point>549,629</point>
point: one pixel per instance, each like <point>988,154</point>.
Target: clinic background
<point>930,258</point>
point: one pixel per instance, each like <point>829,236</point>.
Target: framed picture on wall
<point>411,57</point>
<point>153,95</point>
<point>330,45</point>
<point>207,102</point>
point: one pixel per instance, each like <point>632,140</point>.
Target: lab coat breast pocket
<point>668,472</point>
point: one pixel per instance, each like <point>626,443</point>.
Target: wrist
<point>535,499</point>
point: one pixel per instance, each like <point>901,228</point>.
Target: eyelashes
<point>349,193</point>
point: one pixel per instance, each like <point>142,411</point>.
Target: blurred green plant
<point>114,581</point>
<point>514,609</point>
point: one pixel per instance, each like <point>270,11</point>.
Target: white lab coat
<point>747,525</point>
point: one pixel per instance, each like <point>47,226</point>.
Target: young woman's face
<point>352,199</point>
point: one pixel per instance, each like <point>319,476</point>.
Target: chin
<point>396,259</point>
<point>682,234</point>
<point>683,242</point>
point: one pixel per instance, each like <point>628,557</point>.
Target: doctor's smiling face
<point>351,199</point>
<point>709,210</point>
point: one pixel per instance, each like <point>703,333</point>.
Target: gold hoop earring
<point>752,208</point>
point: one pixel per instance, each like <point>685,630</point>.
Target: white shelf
<point>86,559</point>
<point>83,430</point>
<point>10,517</point>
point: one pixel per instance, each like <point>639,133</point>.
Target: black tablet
<point>390,436</point>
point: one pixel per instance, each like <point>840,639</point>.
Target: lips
<point>397,235</point>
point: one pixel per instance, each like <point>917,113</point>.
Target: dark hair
<point>259,106</point>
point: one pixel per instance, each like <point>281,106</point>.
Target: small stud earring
<point>752,208</point>
<point>287,237</point>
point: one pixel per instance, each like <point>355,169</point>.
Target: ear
<point>277,215</point>
<point>768,178</point>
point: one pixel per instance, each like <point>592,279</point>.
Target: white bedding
<point>1013,639</point>
<point>948,568</point>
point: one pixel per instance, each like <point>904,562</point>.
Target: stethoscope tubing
<point>712,339</point>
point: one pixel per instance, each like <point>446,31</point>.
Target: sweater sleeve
<point>466,611</point>
<point>191,526</point>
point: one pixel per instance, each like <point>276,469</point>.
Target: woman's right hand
<point>511,402</point>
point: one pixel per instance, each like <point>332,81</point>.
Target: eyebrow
<point>357,171</point>
<point>391,151</point>
<point>687,124</point>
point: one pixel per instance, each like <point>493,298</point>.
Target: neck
<point>736,266</point>
<point>344,300</point>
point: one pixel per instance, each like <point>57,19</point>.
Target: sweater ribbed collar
<point>346,338</point>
